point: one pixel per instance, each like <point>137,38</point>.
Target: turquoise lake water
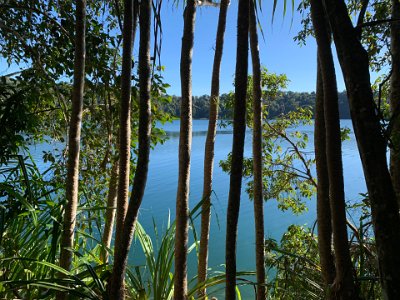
<point>160,194</point>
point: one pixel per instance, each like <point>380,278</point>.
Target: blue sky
<point>279,52</point>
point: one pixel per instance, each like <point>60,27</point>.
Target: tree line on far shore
<point>284,102</point>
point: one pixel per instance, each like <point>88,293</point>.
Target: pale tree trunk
<point>209,147</point>
<point>323,205</point>
<point>110,211</point>
<point>185,145</point>
<point>67,237</point>
<point>395,98</point>
<point>239,130</point>
<point>343,287</point>
<point>139,182</point>
<point>372,146</point>
<point>124,151</point>
<point>257,155</point>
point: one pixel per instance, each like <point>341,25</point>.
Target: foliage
<point>22,108</point>
<point>287,166</point>
<point>373,29</point>
<point>294,268</point>
<point>363,248</point>
<point>30,224</point>
<point>44,47</point>
<point>294,265</point>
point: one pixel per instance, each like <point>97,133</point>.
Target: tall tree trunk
<point>323,205</point>
<point>128,34</point>
<point>185,145</point>
<point>239,130</point>
<point>110,212</point>
<point>344,287</point>
<point>67,238</point>
<point>209,147</point>
<point>371,144</point>
<point>395,98</point>
<point>139,181</point>
<point>257,154</point>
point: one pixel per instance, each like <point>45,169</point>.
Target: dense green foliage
<point>294,267</point>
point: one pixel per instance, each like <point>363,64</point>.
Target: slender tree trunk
<point>129,27</point>
<point>139,181</point>
<point>371,144</point>
<point>344,287</point>
<point>395,98</point>
<point>67,237</point>
<point>239,130</point>
<point>185,145</point>
<point>323,205</point>
<point>110,212</point>
<point>209,147</point>
<point>257,154</point>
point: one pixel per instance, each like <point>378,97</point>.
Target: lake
<point>160,194</point>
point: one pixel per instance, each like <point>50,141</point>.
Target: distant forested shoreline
<point>285,102</point>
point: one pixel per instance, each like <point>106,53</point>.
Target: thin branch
<point>295,148</point>
<point>381,87</point>
<point>118,12</point>
<point>376,22</point>
<point>364,6</point>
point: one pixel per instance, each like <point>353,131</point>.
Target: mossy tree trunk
<point>74,138</point>
<point>110,212</point>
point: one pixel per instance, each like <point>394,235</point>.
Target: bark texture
<point>67,238</point>
<point>185,145</point>
<point>371,144</point>
<point>395,98</point>
<point>140,178</point>
<point>258,199</point>
<point>239,129</point>
<point>129,28</point>
<point>110,212</point>
<point>343,287</point>
<point>74,138</point>
<point>209,147</point>
<point>323,205</point>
